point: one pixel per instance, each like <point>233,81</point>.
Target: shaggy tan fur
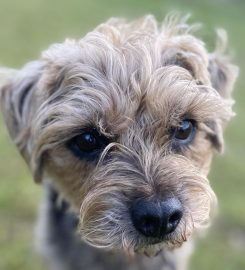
<point>133,82</point>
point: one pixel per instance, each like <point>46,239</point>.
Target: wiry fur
<point>133,82</point>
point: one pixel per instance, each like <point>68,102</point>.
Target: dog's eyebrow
<point>172,107</point>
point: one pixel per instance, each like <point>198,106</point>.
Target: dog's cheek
<point>68,174</point>
<point>201,153</point>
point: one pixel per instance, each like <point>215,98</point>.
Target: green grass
<point>28,27</point>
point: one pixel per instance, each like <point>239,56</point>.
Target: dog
<point>120,128</point>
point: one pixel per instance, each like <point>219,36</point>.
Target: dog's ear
<point>222,74</point>
<point>17,104</point>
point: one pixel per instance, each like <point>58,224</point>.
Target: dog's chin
<point>150,250</point>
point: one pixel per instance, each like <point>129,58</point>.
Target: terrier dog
<point>121,127</point>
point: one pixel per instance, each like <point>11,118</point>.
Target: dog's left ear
<point>18,98</point>
<point>222,74</point>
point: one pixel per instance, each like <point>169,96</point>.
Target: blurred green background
<point>29,26</point>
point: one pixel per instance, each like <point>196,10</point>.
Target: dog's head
<point>125,122</point>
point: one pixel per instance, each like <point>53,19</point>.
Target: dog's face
<point>125,122</point>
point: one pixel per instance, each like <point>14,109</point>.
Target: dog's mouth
<point>155,247</point>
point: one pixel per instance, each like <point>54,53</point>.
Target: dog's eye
<point>185,132</point>
<point>88,144</point>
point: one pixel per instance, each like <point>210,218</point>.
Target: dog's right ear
<point>17,103</point>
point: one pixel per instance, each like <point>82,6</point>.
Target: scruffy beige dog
<point>121,127</point>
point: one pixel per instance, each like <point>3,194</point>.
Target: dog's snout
<point>156,218</point>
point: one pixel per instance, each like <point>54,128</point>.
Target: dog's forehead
<point>113,83</point>
<point>164,99</point>
<point>114,101</point>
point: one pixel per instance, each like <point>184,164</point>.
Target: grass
<point>28,27</point>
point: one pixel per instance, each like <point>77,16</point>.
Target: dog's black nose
<point>156,218</point>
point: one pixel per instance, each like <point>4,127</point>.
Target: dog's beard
<point>112,229</point>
